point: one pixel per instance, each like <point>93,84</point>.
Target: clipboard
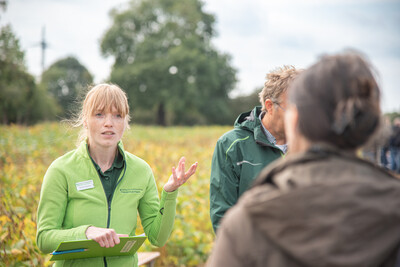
<point>79,249</point>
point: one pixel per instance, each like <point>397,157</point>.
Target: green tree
<point>165,61</point>
<point>20,99</point>
<point>65,80</point>
<point>392,115</point>
<point>244,103</point>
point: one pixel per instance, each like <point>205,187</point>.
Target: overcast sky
<point>259,35</point>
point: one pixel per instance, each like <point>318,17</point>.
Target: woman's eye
<point>119,116</point>
<point>98,114</point>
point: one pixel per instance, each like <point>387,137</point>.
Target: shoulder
<point>66,160</point>
<point>307,172</point>
<point>251,204</point>
<point>69,165</point>
<point>239,236</point>
<point>133,159</point>
<point>72,159</point>
<point>235,136</point>
<point>136,164</point>
<point>236,219</point>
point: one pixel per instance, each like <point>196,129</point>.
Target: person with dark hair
<point>322,205</point>
<point>257,139</point>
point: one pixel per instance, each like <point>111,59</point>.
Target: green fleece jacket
<point>67,207</point>
<point>239,156</point>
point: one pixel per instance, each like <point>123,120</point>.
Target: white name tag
<point>84,185</point>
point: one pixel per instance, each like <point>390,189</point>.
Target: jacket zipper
<point>109,206</point>
<point>112,194</point>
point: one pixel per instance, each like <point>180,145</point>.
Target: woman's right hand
<point>104,236</point>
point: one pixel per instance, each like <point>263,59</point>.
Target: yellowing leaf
<point>16,252</point>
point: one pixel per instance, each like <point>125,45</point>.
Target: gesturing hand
<point>179,176</point>
<point>104,236</point>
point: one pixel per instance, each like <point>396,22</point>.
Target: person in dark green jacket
<point>95,191</point>
<point>258,138</point>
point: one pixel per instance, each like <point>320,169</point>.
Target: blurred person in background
<point>376,149</point>
<point>95,191</point>
<point>258,138</point>
<point>394,146</point>
<point>386,132</point>
<point>322,205</point>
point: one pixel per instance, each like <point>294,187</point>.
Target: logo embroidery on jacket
<point>248,162</point>
<point>130,191</point>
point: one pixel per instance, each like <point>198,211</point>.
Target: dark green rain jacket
<point>239,156</point>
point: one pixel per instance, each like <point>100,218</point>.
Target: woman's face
<point>105,128</point>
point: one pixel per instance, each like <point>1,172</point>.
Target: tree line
<point>163,59</point>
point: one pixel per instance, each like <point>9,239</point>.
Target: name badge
<point>84,185</point>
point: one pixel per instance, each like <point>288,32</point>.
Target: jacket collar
<point>250,121</point>
<point>83,151</point>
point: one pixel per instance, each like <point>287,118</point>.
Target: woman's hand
<point>104,236</point>
<point>179,176</point>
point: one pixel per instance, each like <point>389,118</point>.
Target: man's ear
<point>269,106</point>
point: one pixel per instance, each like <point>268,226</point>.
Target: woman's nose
<point>108,120</point>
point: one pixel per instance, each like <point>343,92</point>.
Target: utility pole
<point>43,45</point>
<point>3,4</point>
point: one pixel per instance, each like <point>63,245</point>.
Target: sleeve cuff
<point>169,195</point>
<point>82,231</point>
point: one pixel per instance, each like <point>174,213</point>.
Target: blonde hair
<point>102,97</point>
<point>277,83</point>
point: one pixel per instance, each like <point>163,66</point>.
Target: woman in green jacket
<point>95,191</point>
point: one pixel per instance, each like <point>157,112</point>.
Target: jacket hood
<point>331,209</point>
<point>249,121</point>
